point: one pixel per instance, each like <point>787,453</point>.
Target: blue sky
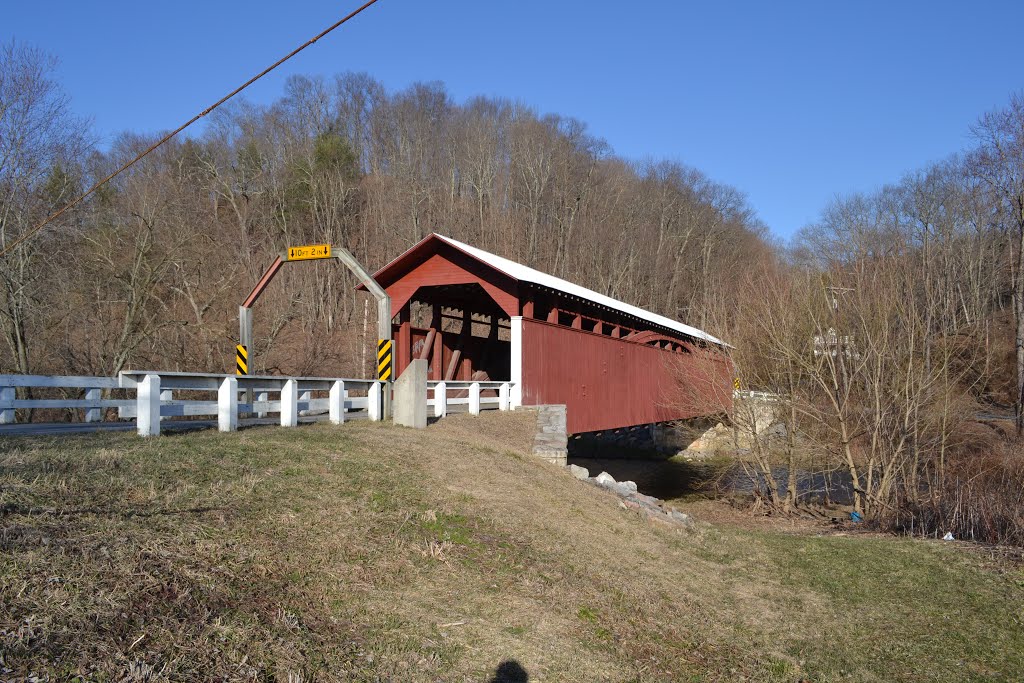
<point>791,102</point>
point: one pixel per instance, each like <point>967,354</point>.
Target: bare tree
<point>999,162</point>
<point>41,144</point>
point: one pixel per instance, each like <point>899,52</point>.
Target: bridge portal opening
<point>460,331</point>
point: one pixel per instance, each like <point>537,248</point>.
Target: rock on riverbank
<point>653,508</point>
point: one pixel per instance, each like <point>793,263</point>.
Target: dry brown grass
<point>368,552</point>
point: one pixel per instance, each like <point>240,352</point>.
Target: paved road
<point>994,416</point>
<point>62,428</point>
<point>176,425</point>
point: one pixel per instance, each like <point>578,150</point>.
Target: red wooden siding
<point>608,383</point>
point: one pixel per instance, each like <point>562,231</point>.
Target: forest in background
<point>889,327</point>
<point>152,269</point>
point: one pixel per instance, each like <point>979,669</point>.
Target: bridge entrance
<point>458,329</point>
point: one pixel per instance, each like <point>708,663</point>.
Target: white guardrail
<point>476,396</point>
<point>288,396</point>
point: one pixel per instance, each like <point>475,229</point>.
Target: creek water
<point>676,477</point>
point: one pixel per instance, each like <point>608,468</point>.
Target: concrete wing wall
<point>608,383</point>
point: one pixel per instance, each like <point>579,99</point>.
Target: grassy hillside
<point>368,552</point>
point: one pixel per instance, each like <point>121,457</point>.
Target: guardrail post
<point>227,405</point>
<point>474,398</point>
<point>503,396</point>
<point>147,406</point>
<point>262,397</point>
<point>373,406</point>
<point>7,415</point>
<point>166,396</point>
<point>336,402</point>
<point>93,414</point>
<point>440,399</point>
<point>290,403</point>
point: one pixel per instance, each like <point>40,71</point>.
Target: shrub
<point>978,496</point>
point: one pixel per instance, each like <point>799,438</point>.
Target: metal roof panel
<point>526,274</point>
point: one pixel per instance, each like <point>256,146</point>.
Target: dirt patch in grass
<point>368,552</point>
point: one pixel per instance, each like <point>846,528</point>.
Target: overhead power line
<point>70,205</point>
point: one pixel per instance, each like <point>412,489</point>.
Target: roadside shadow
<point>510,671</point>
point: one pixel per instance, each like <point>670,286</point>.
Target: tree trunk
<point>1018,309</point>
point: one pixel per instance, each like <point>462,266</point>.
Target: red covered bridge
<point>473,315</point>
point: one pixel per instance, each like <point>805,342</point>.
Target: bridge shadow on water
<point>663,476</point>
<point>656,473</point>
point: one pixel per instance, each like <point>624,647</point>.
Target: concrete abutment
<point>551,441</point>
<point>410,402</point>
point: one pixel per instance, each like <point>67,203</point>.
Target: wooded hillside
<point>150,271</point>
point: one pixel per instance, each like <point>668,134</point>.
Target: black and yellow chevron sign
<point>241,360</point>
<point>736,383</point>
<point>384,363</point>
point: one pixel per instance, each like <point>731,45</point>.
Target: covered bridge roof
<point>518,271</point>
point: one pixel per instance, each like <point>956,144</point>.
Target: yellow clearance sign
<point>309,251</point>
